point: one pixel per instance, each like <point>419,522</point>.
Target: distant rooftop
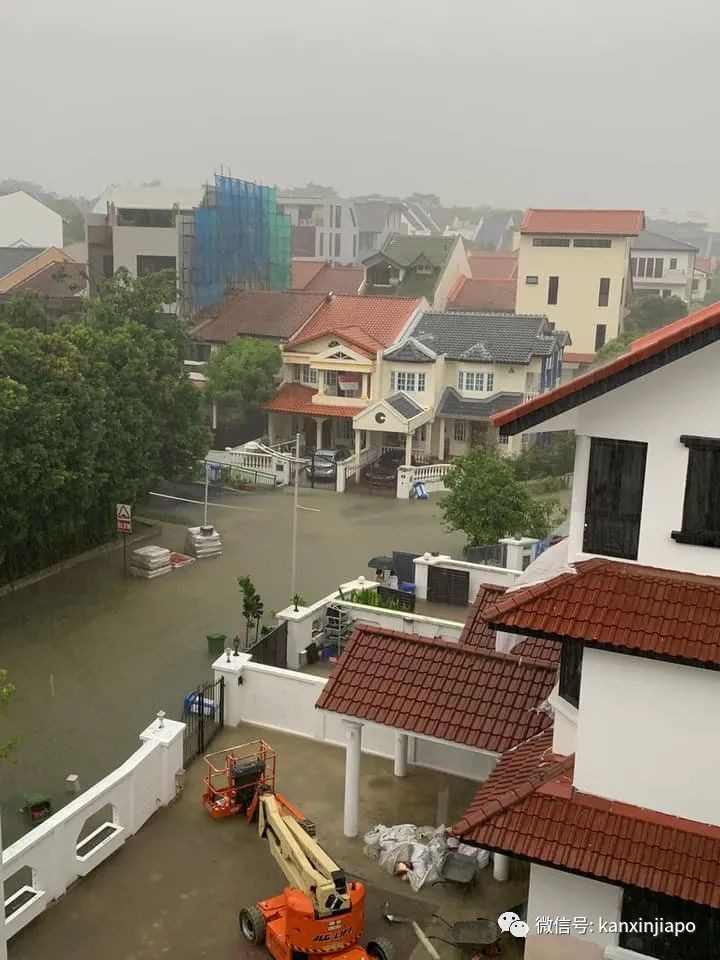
<point>486,337</point>
<point>649,240</point>
<point>607,223</point>
<point>133,197</point>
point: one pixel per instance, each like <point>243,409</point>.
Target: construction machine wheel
<point>252,924</point>
<point>380,949</point>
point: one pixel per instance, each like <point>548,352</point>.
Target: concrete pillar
<point>408,449</point>
<point>501,867</point>
<point>401,754</point>
<point>441,440</point>
<point>365,386</point>
<point>353,746</point>
<point>3,934</point>
<point>230,667</point>
<point>321,383</point>
<point>358,448</point>
<point>271,428</point>
<point>319,421</point>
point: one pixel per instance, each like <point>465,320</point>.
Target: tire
<point>252,925</point>
<point>380,949</point>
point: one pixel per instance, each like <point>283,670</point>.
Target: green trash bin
<point>216,643</point>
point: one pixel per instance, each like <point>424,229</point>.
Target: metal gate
<point>203,715</point>
<point>271,648</point>
<point>448,586</point>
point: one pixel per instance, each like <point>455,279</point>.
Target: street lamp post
<point>293,566</point>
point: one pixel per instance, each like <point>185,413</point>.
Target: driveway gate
<point>271,648</point>
<point>448,586</point>
<point>203,715</point>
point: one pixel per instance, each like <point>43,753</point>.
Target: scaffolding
<point>236,239</point>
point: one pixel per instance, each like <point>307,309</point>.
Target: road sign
<point>123,518</point>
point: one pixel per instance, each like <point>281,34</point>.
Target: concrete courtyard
<point>94,655</point>
<point>175,888</point>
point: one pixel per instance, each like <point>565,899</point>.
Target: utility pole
<point>295,516</point>
<point>207,484</point>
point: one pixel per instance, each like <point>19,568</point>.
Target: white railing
<point>432,475</point>
<point>352,466</point>
<point>53,853</point>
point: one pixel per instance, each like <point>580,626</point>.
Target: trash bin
<point>36,807</point>
<point>216,643</point>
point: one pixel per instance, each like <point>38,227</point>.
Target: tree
<point>555,458</point>
<point>253,607</point>
<point>6,691</point>
<point>614,348</point>
<point>651,313</point>
<point>487,503</point>
<point>241,376</point>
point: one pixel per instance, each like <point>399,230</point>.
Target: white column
<point>364,380</point>
<point>408,449</point>
<point>401,754</point>
<point>321,382</point>
<point>501,867</point>
<point>230,667</point>
<point>441,440</point>
<point>353,745</point>
<point>3,935</point>
<point>319,421</point>
<point>358,447</point>
<point>271,428</point>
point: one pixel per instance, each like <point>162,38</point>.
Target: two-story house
<point>662,266</point>
<point>330,367</point>
<point>378,217</point>
<point>574,266</point>
<point>618,809</point>
<point>451,373</point>
<point>417,266</point>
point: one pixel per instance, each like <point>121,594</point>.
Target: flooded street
<point>94,655</point>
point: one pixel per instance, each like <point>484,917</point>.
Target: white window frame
<point>471,381</point>
<point>489,381</point>
<point>460,431</point>
<point>407,381</point>
<point>331,378</point>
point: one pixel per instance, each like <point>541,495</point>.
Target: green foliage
<point>651,313</point>
<point>240,376</point>
<point>371,598</point>
<point>614,348</point>
<point>93,408</point>
<point>553,459</point>
<point>253,607</point>
<point>6,691</point>
<point>487,502</point>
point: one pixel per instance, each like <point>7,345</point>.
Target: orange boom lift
<point>320,913</point>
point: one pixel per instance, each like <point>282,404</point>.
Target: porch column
<point>319,421</point>
<point>501,867</point>
<point>401,754</point>
<point>428,438</point>
<point>321,383</point>
<point>408,449</point>
<point>353,745</point>
<point>358,448</point>
<point>271,428</point>
<point>441,440</point>
<point>365,386</point>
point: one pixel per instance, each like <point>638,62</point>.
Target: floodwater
<point>95,655</point>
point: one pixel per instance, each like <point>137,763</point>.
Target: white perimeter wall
<point>128,242</point>
<point>648,734</point>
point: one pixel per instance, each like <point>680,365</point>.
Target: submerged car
<point>323,463</point>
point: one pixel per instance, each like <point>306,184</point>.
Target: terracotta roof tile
<point>477,632</point>
<point>340,280</point>
<point>620,223</point>
<point>259,313</point>
<point>381,319</point>
<point>56,280</point>
<point>528,807</point>
<point>494,295</point>
<point>619,605</point>
<point>478,698</point>
<point>295,398</point>
<point>493,264</point>
<point>302,272</point>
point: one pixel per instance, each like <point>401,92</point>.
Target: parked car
<point>323,463</point>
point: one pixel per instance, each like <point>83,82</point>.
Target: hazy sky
<point>514,102</point>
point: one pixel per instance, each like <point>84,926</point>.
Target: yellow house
<point>574,267</point>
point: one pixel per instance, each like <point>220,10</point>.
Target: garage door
<point>448,586</point>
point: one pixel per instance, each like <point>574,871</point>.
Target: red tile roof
<point>529,808</point>
<point>641,350</point>
<point>607,223</point>
<point>302,272</point>
<point>477,632</point>
<point>493,264</point>
<point>482,699</point>
<point>342,280</point>
<point>493,296</point>
<point>706,264</point>
<point>623,606</point>
<point>296,398</point>
<point>257,313</point>
<point>381,319</point>
<point>55,280</point>
<point>570,357</point>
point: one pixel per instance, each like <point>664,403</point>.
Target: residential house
<point>321,277</point>
<point>618,809</point>
<point>492,286</point>
<point>574,266</point>
<point>441,384</point>
<point>702,279</point>
<point>380,216</point>
<point>493,265</point>
<point>331,365</point>
<point>26,222</point>
<point>50,273</point>
<point>324,226</point>
<point>662,266</point>
<point>495,231</point>
<point>417,267</point>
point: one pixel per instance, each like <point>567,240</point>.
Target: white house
<point>323,227</point>
<point>662,266</point>
<point>25,222</point>
<point>618,809</point>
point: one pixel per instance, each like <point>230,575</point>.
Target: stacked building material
<point>150,562</point>
<point>202,542</point>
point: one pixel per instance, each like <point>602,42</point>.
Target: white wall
<point>680,398</point>
<point>23,219</point>
<point>678,280</point>
<point>128,242</point>
<point>479,573</point>
<point>656,744</point>
<point>554,893</point>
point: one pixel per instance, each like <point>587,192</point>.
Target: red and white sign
<point>123,518</point>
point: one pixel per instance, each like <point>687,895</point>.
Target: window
<point>695,284</point>
<point>338,217</point>
<point>460,431</point>
<point>701,509</point>
<point>592,242</point>
<point>305,216</point>
<point>639,905</point>
<point>351,211</point>
<point>470,380</point>
<point>108,268</point>
<point>330,378</point>
<point>504,439</point>
<point>553,283</point>
<point>532,281</point>
<point>571,658</point>
<point>424,268</point>
<point>613,501</point>
<point>489,381</point>
<point>345,429</point>
<point>337,243</point>
<point>407,382</point>
<point>667,293</point>
<point>659,262</point>
<point>673,263</point>
<point>633,266</point>
<point>146,218</point>
<point>147,265</point>
<point>600,333</point>
<point>604,294</point>
<point>303,373</point>
<point>551,241</point>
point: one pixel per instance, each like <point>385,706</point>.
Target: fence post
<point>230,666</point>
<point>340,478</point>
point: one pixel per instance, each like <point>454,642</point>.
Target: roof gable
<point>411,351</point>
<point>487,337</point>
<point>369,322</point>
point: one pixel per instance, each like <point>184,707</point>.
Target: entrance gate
<point>203,715</point>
